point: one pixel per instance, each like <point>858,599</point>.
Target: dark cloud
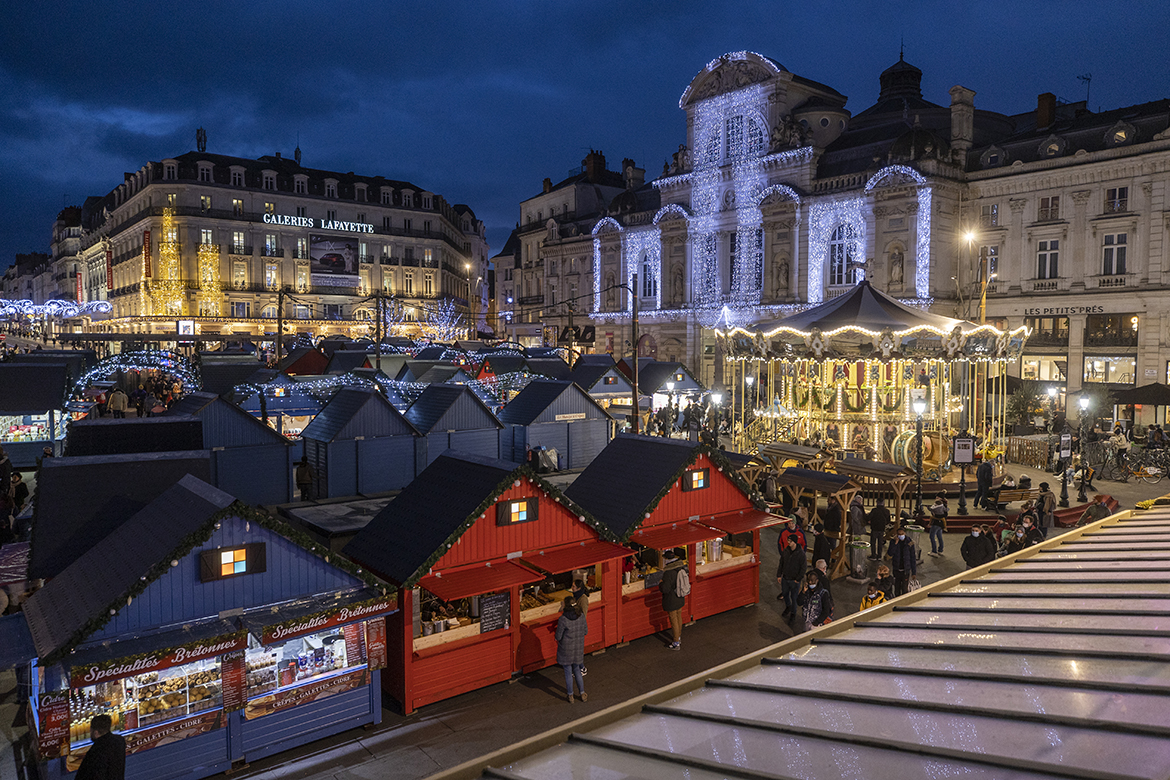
<point>480,101</point>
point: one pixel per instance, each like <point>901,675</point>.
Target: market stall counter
<point>657,494</point>
<point>221,636</point>
<point>483,571</point>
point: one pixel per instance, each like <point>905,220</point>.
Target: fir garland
<point>859,407</point>
<point>895,406</point>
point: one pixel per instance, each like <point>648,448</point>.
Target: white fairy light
<point>606,224</point>
<point>824,217</point>
<point>900,173</point>
<point>640,249</point>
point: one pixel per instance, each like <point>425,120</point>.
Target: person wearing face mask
<point>1016,542</point>
<point>1032,534</point>
<point>977,549</point>
<point>903,557</point>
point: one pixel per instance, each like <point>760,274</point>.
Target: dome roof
<point>900,80</point>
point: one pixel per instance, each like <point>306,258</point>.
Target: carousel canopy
<point>866,323</point>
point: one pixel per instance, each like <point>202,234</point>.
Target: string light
<point>166,287</point>
<point>443,322</point>
<point>642,251</point>
<point>143,360</point>
<point>53,308</point>
<point>605,225</point>
<point>922,221</point>
<point>824,217</point>
<point>210,297</point>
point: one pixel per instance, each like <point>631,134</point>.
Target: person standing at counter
<point>674,594</point>
<point>570,634</point>
<point>106,758</point>
<point>581,593</point>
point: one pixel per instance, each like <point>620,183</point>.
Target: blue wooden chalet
<point>249,459</point>
<point>453,417</point>
<point>558,415</point>
<point>275,397</point>
<point>359,443</point>
<point>342,361</point>
<point>210,633</point>
<point>598,375</point>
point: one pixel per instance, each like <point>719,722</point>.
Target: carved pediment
<point>729,72</point>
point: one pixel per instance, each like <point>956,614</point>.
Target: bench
<point>1005,496</point>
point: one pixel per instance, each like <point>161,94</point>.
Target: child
<point>872,596</point>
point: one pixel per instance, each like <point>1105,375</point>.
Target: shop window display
<point>304,659</point>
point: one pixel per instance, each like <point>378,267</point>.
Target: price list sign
<point>53,715</point>
<point>235,681</point>
<point>376,637</point>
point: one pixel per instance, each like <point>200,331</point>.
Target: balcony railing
<point>532,300</point>
<point>1111,339</point>
<point>1116,205</point>
<point>268,251</point>
<point>241,250</point>
<point>1048,215</point>
<point>1047,339</point>
<point>1117,280</point>
<point>300,254</point>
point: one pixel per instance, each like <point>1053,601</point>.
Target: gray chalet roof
<point>224,424</point>
<point>552,367</point>
<point>32,388</point>
<point>444,373</point>
<point>81,500</point>
<point>542,400</point>
<point>111,436</point>
<point>351,413</point>
<point>344,360</point>
<point>587,375</point>
<point>402,539</point>
<point>450,408</point>
<point>59,613</point>
<point>220,373</point>
<point>504,364</point>
<point>628,476</point>
<point>654,374</point>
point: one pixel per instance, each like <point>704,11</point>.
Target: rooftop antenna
<point>902,49</point>
<point>1087,80</point>
<point>297,153</point>
<point>201,139</point>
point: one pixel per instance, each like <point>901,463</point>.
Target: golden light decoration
<point>166,288</point>
<point>210,297</point>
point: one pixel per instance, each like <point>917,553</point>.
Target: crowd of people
<point>154,395</point>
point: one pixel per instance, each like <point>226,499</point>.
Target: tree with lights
<point>442,322</point>
<point>393,318</point>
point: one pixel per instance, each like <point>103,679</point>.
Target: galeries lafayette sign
<point>90,674</point>
<point>311,624</point>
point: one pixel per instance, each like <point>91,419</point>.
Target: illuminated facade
<point>216,239</point>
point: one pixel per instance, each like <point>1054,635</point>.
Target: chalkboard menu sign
<point>495,612</point>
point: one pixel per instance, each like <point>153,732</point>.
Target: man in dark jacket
<point>903,561</point>
<point>977,549</point>
<point>789,574</point>
<point>983,477</point>
<point>672,603</point>
<point>879,518</point>
<point>791,531</point>
<point>817,603</point>
<point>106,758</point>
<point>822,549</point>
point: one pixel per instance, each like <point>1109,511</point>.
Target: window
<point>237,178</point>
<point>205,237</point>
<point>364,252</point>
<point>240,308</point>
<point>300,211</point>
<point>609,380</point>
<point>649,281</point>
<point>428,258</point>
<point>408,253</point>
<point>299,187</point>
<point>269,312</point>
<point>989,215</point>
<point>204,174</point>
<point>330,190</point>
<point>205,202</point>
<point>238,242</point>
<point>387,198</point>
<point>1113,254</point>
<point>696,479</point>
<point>304,312</point>
<point>232,562</point>
<point>302,277</point>
<point>733,128</point>
<point>170,171</point>
<point>429,284</point>
<point>408,283</point>
<point>269,208</point>
<point>331,214</point>
<point>172,199</point>
<point>171,235</point>
<point>361,216</point>
<point>270,274</point>
<point>270,244</point>
<point>239,275</point>
<point>1116,200</point>
<point>988,261</point>
<point>523,510</point>
<point>406,224</point>
<point>332,311</point>
<point>1110,369</point>
<point>426,226</point>
<point>237,207</point>
<point>842,245</point>
<point>1042,369</point>
<point>1047,255</point>
<point>302,249</point>
<point>269,181</point>
<point>1049,209</point>
<point>385,223</point>
<point>426,201</point>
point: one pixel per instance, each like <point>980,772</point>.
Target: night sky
<point>479,101</point>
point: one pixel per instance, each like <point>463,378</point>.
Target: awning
<point>452,585</point>
<point>576,556</point>
<point>16,644</point>
<point>664,537</point>
<point>741,522</point>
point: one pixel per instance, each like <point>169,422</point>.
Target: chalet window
<point>609,380</point>
<point>696,479</point>
<point>521,510</point>
<point>232,562</point>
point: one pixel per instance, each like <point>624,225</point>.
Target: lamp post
<point>1064,465</point>
<point>715,399</point>
<point>983,298</point>
<point>919,409</point>
<point>670,405</point>
<point>1083,402</point>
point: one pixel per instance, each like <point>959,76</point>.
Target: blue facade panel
<point>553,436</point>
<point>179,596</point>
<point>200,756</point>
<point>513,443</point>
<point>298,725</point>
<point>587,438</point>
<point>255,475</point>
<point>437,443</point>
<point>484,442</point>
<point>341,467</point>
<point>385,463</point>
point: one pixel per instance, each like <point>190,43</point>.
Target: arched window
<point>269,312</point>
<point>755,138</point>
<point>649,278</point>
<point>841,254</point>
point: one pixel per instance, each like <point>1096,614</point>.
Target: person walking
<point>305,477</point>
<point>675,587</point>
<point>879,519</point>
<point>816,601</point>
<point>983,476</point>
<point>938,523</point>
<point>572,626</point>
<point>1047,508</point>
<point>791,531</point>
<point>856,517</point>
<point>977,549</point>
<point>106,757</point>
<point>580,592</point>
<point>903,561</point>
<point>789,574</point>
<point>118,403</point>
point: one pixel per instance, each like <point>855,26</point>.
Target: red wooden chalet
<point>658,494</point>
<point>485,552</point>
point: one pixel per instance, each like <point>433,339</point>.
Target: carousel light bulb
<point>716,398</point>
<point>751,380</point>
<point>919,406</point>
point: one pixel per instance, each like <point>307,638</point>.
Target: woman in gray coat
<point>571,630</point>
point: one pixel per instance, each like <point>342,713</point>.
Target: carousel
<point>859,374</point>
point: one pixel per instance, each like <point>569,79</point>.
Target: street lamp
<point>983,298</point>
<point>1083,402</point>
<point>919,409</point>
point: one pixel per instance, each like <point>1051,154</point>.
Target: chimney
<point>962,122</point>
<point>594,163</point>
<point>278,155</point>
<point>1045,110</point>
<point>548,185</point>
